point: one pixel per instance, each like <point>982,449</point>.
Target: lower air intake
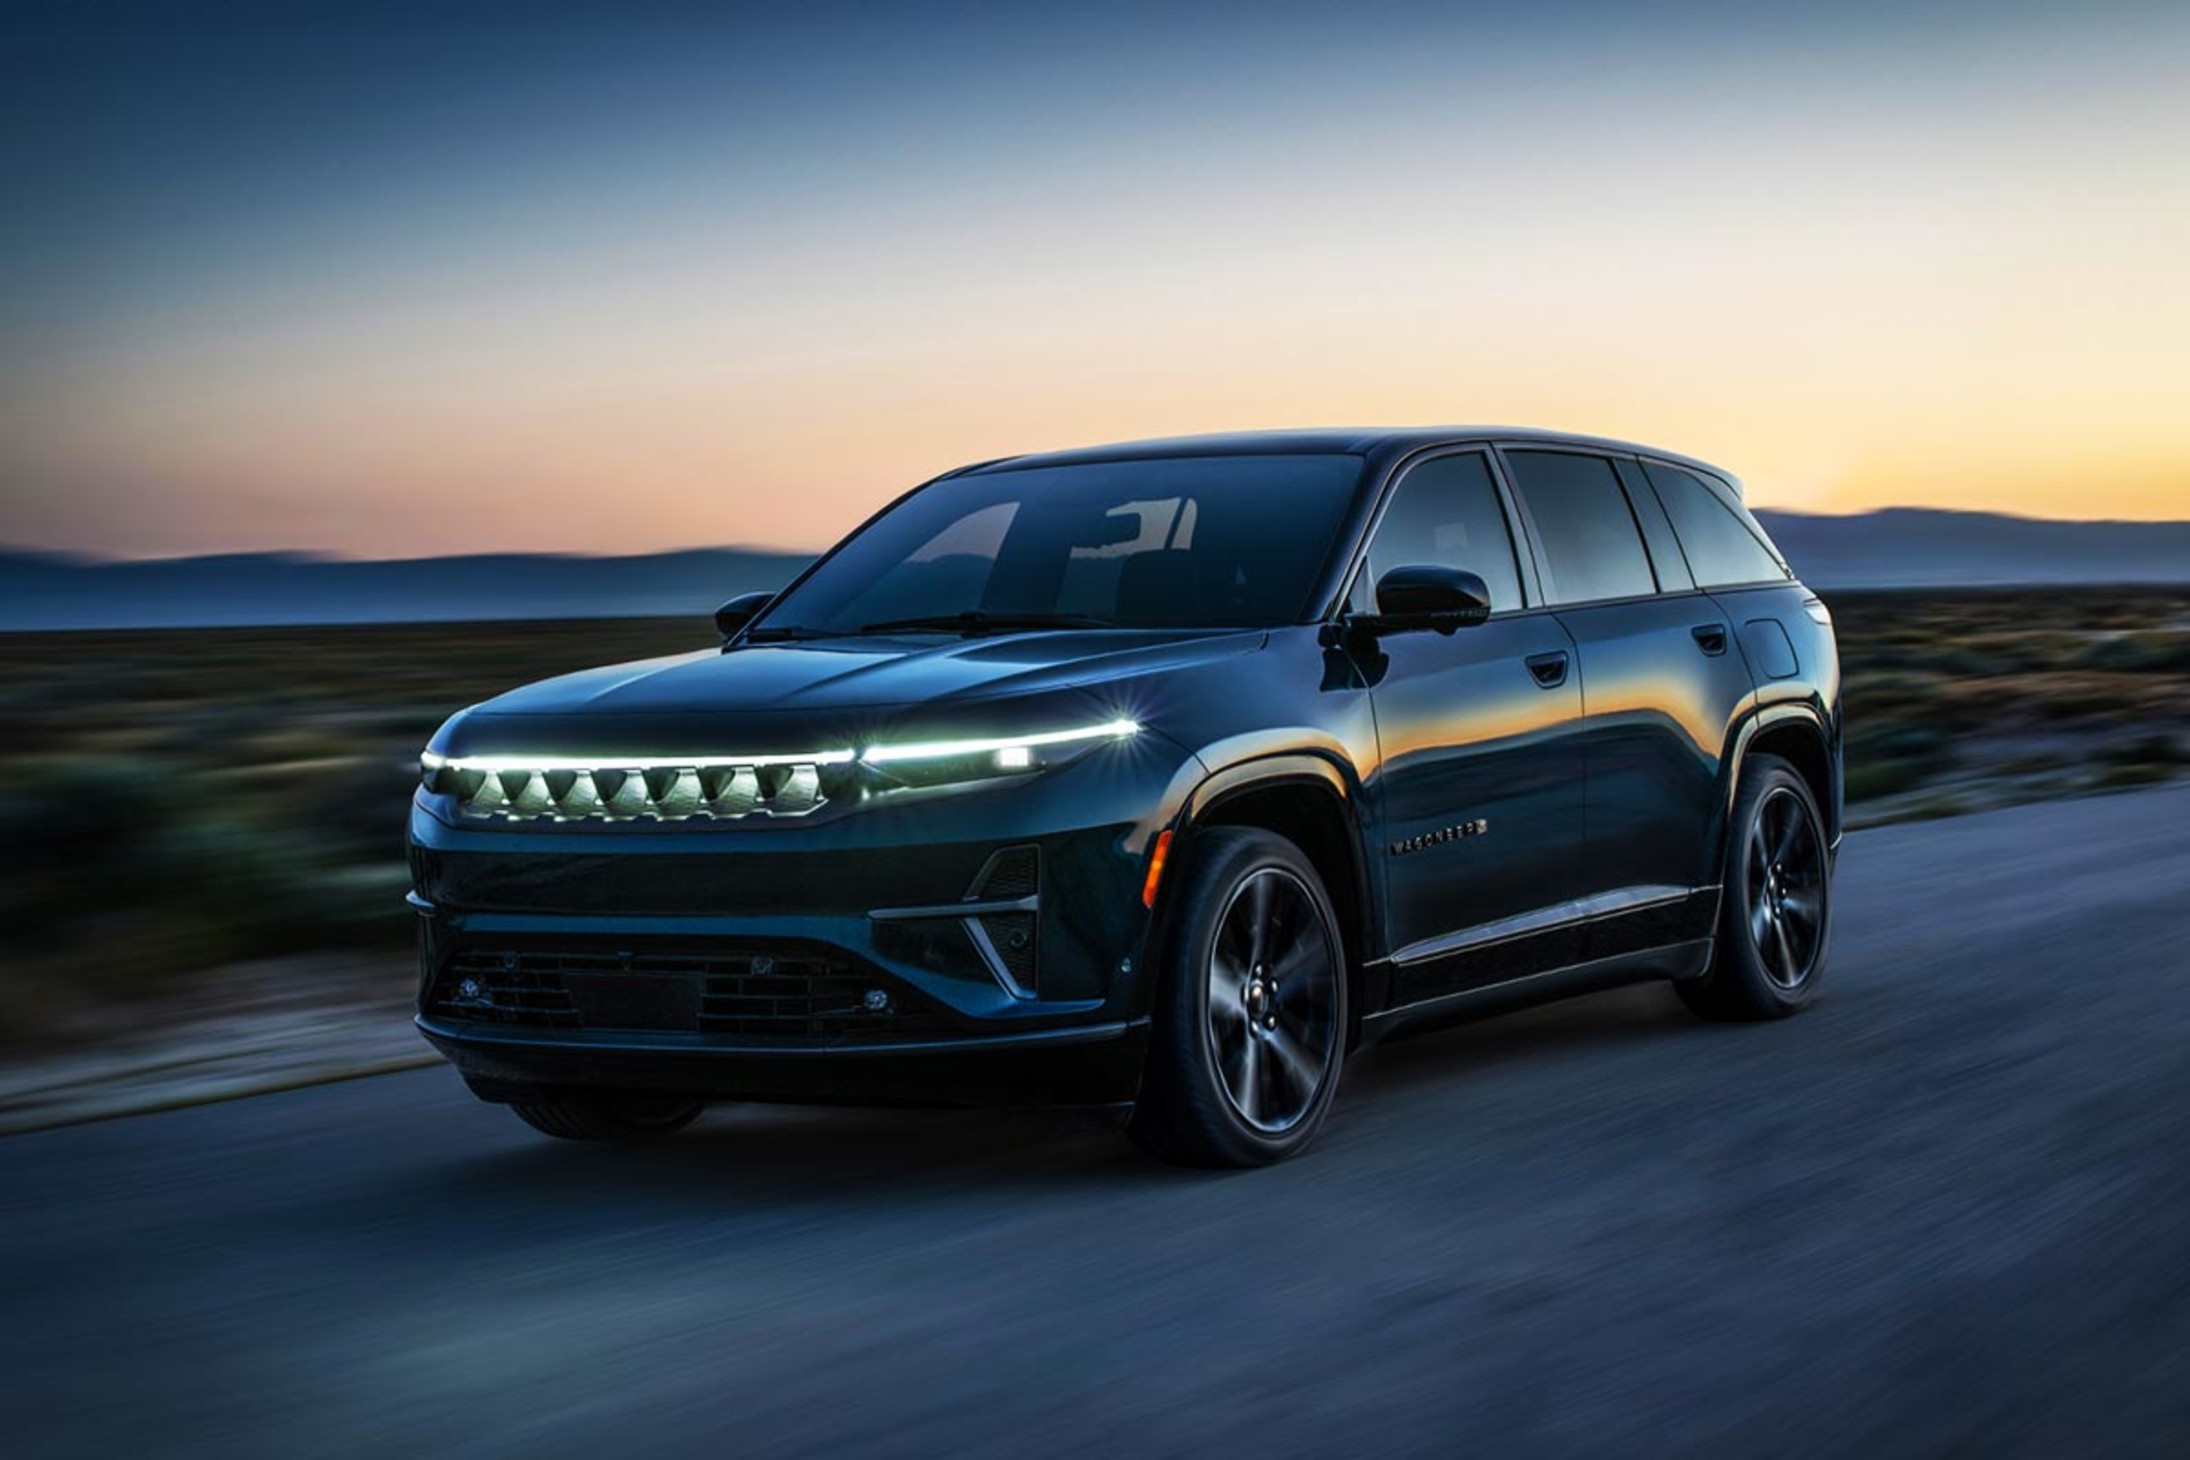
<point>1006,936</point>
<point>793,996</point>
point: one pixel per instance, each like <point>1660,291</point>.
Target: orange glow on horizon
<point>1959,289</point>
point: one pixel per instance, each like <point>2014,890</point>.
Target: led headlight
<point>930,761</point>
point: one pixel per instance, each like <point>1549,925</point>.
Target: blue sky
<point>394,279</point>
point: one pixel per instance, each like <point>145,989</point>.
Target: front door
<point>1477,798</point>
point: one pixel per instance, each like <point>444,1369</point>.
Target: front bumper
<point>987,947</point>
<point>1096,1064</point>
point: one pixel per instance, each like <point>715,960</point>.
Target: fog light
<point>470,991</point>
<point>877,1001</point>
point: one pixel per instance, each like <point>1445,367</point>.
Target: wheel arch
<point>1797,735</point>
<point>1313,804</point>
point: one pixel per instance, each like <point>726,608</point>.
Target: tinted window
<point>1591,547</point>
<point>1447,512</point>
<point>1183,541</point>
<point>1723,546</point>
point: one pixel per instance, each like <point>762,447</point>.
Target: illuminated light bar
<point>704,787</point>
<point>1007,749</point>
<point>498,764</point>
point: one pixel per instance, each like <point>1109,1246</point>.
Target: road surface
<point>1948,1208</point>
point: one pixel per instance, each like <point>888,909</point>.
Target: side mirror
<point>739,612</point>
<point>1421,596</point>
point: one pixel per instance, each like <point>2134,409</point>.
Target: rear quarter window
<point>1724,545</point>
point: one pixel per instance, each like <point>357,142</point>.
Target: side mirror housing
<point>739,612</point>
<point>1425,596</point>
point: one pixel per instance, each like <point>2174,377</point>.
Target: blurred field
<point>1957,701</point>
<point>176,804</point>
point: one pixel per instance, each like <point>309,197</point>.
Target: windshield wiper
<point>978,621</point>
<point>782,634</point>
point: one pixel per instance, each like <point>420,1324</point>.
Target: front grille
<point>794,996</point>
<point>664,792</point>
<point>504,989</point>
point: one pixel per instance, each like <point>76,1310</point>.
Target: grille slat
<point>660,792</point>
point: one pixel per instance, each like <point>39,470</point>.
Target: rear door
<point>1663,682</point>
<point>1478,797</point>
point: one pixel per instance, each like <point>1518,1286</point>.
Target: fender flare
<point>1306,769</point>
<point>1736,759</point>
<point>1263,771</point>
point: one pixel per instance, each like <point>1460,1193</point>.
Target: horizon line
<point>81,557</point>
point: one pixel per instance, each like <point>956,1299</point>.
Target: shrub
<point>1872,779</point>
<point>2156,651</point>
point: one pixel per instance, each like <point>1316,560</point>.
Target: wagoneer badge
<point>1440,836</point>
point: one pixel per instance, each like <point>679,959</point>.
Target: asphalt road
<point>1947,1209</point>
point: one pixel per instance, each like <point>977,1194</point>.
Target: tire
<point>572,1116</point>
<point>1775,912</point>
<point>1248,1033</point>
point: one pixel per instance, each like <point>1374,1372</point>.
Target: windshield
<point>1178,542</point>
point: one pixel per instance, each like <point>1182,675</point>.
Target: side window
<point>1591,547</point>
<point>1446,511</point>
<point>1723,547</point>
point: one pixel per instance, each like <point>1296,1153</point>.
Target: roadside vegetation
<point>1961,700</point>
<point>175,803</point>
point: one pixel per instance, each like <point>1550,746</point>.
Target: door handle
<point>1711,638</point>
<point>1549,669</point>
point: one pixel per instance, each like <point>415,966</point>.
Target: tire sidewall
<point>1220,861</point>
<point>1738,956</point>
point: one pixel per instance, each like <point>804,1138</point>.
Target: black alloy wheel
<point>1249,1030</point>
<point>1775,907</point>
<point>1783,887</point>
<point>1273,1000</point>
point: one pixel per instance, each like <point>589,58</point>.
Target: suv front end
<point>947,912</point>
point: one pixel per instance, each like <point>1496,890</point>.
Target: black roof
<point>1373,441</point>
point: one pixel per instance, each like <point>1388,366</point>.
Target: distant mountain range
<point>52,591</point>
<point>1919,547</point>
<point>1901,547</point>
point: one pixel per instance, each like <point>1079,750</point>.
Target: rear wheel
<point>1250,1020</point>
<point>576,1116</point>
<point>1775,913</point>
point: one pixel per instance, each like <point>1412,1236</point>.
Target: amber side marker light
<point>1155,868</point>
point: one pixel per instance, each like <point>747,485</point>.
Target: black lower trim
<point>1682,960</point>
<point>1082,1065</point>
<point>1594,930</point>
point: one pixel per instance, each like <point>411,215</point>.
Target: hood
<point>770,691</point>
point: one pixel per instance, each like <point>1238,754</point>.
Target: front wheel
<point>1249,1030</point>
<point>1775,912</point>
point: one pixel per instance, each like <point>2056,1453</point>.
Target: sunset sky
<point>399,285</point>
